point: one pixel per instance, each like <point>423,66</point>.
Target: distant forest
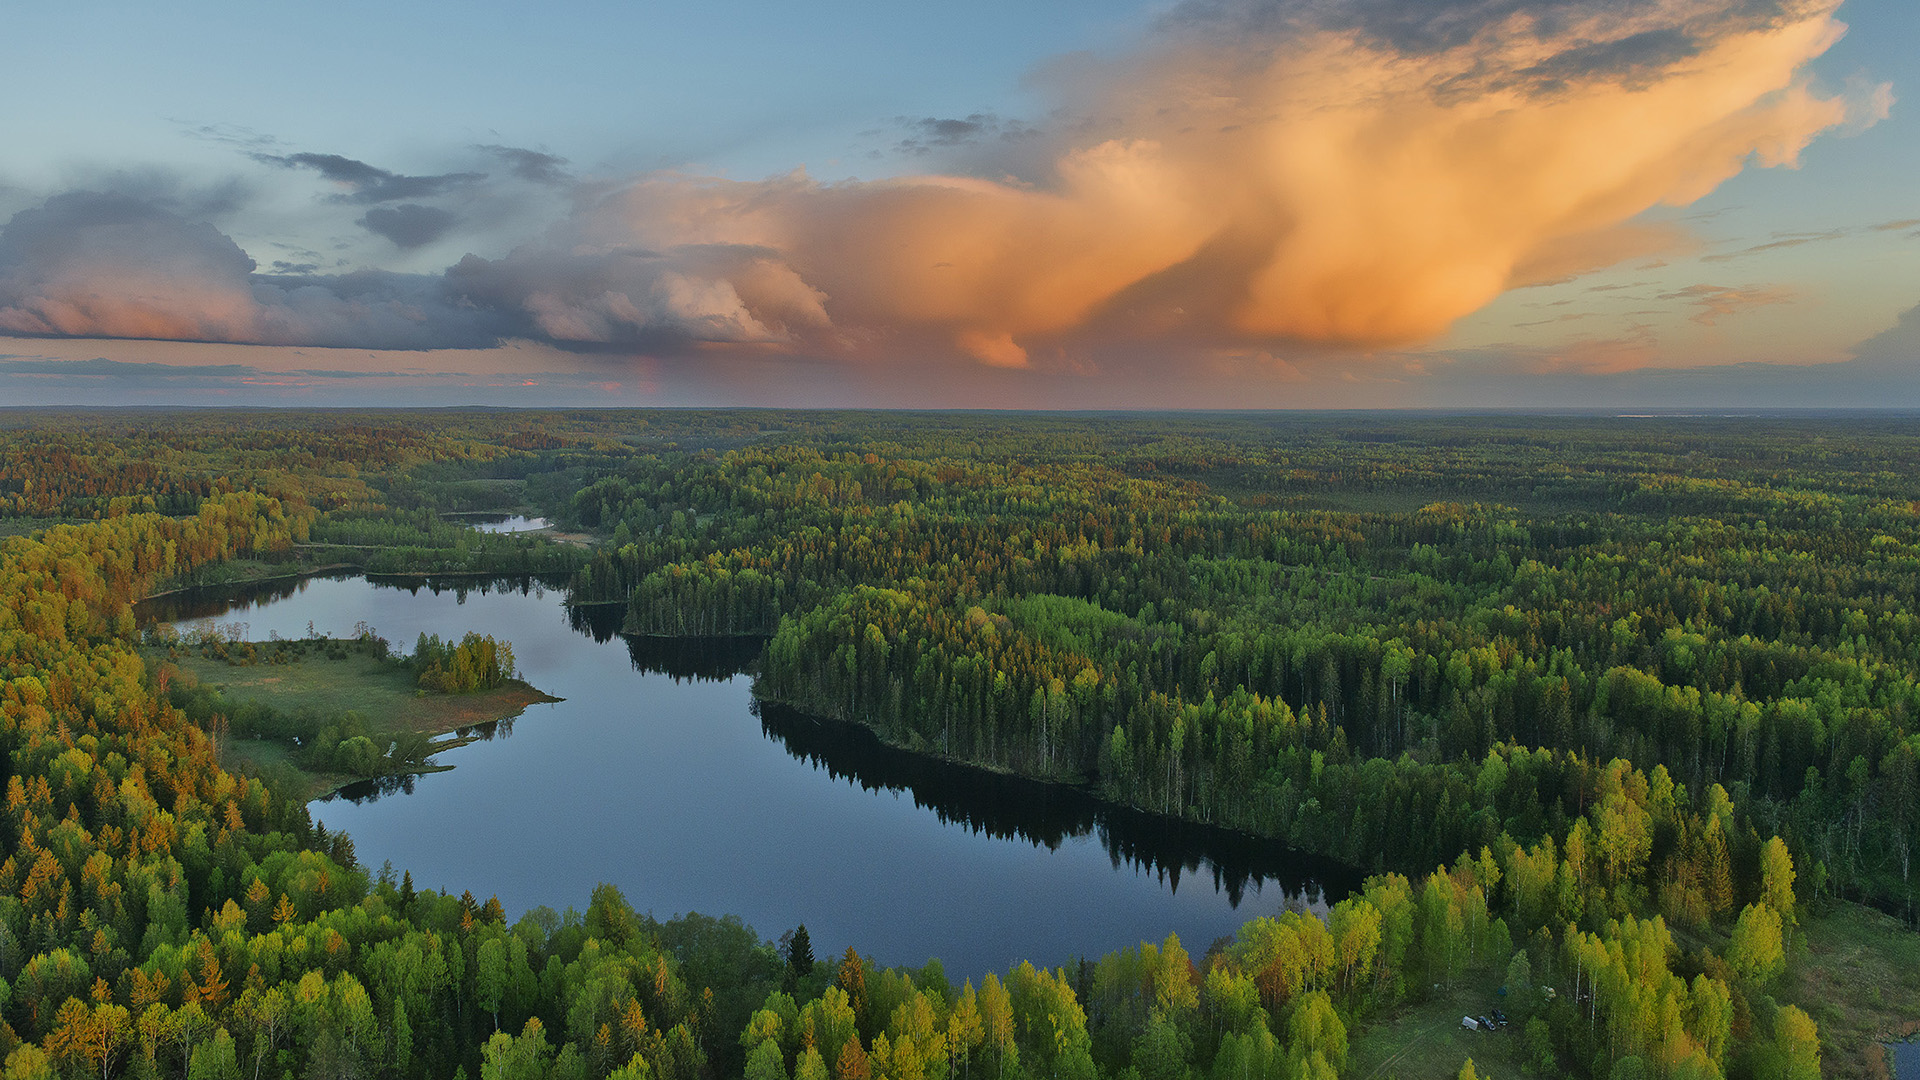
<point>1615,712</point>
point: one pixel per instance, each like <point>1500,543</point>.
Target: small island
<point>314,714</point>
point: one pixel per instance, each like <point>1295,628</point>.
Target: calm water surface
<point>659,774</point>
<point>505,523</point>
<point>1904,1060</point>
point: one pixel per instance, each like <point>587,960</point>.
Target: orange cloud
<point>1246,182</point>
<point>1319,187</point>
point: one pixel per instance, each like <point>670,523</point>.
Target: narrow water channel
<point>661,775</point>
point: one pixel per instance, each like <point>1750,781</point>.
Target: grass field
<point>1424,1040</point>
<point>326,687</point>
<point>1859,978</point>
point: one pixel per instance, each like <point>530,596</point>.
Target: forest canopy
<point>1613,710</point>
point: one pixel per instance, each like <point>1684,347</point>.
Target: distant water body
<point>504,523</point>
<point>660,774</point>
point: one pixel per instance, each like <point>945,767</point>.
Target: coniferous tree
<point>800,953</point>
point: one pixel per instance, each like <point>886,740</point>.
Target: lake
<point>504,523</point>
<point>660,774</point>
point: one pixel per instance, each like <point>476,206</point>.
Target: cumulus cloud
<point>584,296</point>
<point>108,265</point>
<point>1327,173</point>
<point>1324,173</point>
<point>87,264</point>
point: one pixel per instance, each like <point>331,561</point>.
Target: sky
<point>1586,204</point>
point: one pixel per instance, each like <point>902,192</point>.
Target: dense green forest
<point>1616,711</point>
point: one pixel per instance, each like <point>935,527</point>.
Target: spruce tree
<point>800,953</point>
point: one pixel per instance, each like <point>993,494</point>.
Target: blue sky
<point>743,89</point>
<point>598,203</point>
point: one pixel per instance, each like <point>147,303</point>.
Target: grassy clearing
<point>1857,975</point>
<point>1859,978</point>
<point>1424,1040</point>
<point>265,757</point>
<point>385,694</point>
<point>324,684</point>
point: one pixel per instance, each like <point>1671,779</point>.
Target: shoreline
<point>1081,787</point>
<point>519,696</point>
<point>315,571</point>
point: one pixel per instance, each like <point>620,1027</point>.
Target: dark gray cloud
<point>950,132</point>
<point>927,134</point>
<point>73,226</point>
<point>374,309</point>
<point>412,212</point>
<point>342,170</point>
<point>530,165</point>
<point>1631,60</point>
<point>1615,40</point>
<point>369,183</point>
<point>1428,26</point>
<point>409,225</point>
